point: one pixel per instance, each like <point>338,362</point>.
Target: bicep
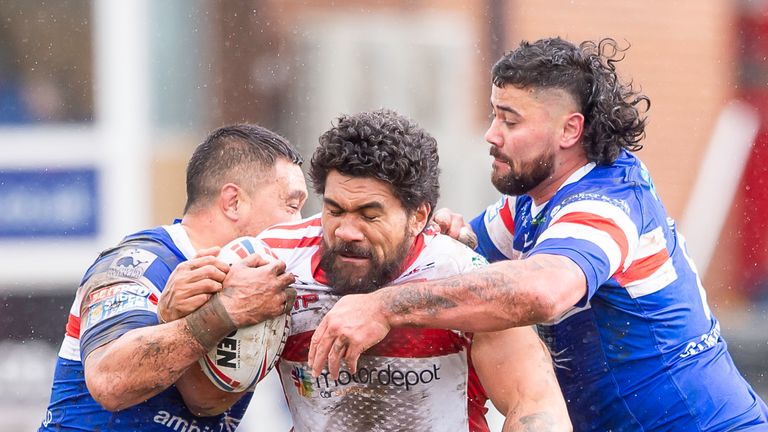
<point>560,279</point>
<point>514,366</point>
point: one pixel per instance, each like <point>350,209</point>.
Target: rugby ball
<point>246,355</point>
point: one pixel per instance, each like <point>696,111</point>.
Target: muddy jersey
<point>414,380</point>
<point>642,350</point>
<point>122,288</point>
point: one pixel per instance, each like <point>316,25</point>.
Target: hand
<point>453,225</point>
<point>256,290</point>
<point>191,284</point>
<point>354,324</point>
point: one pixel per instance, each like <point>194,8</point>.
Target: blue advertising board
<point>49,202</point>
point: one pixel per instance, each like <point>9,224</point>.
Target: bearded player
<point>377,173</point>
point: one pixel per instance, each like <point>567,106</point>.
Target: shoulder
<point>293,234</point>
<point>443,256</point>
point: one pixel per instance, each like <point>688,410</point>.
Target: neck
<point>547,189</point>
<point>205,231</point>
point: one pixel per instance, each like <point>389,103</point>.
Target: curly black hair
<point>613,111</point>
<point>384,145</point>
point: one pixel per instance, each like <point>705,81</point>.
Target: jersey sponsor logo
<point>131,263</point>
<point>620,203</point>
<point>302,381</point>
<point>111,301</point>
<point>419,269</point>
<point>706,341</point>
<point>305,302</point>
<point>328,387</point>
<point>181,424</point>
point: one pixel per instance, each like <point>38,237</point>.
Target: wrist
<point>209,324</point>
<point>382,303</point>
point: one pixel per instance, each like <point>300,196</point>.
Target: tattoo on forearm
<point>418,300</point>
<point>210,323</point>
<point>536,422</point>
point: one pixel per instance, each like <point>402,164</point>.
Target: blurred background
<point>102,102</point>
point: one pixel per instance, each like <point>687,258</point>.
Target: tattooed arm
<point>502,295</point>
<point>144,361</point>
<point>515,369</point>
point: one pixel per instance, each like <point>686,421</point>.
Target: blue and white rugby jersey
<point>142,263</point>
<point>642,351</point>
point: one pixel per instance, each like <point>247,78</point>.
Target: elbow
<point>105,396</point>
<point>111,396</point>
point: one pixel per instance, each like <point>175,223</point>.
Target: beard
<point>347,279</point>
<point>529,175</point>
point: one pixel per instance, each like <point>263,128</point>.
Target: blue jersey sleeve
<point>125,286</point>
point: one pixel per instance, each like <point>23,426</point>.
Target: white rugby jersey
<point>415,379</point>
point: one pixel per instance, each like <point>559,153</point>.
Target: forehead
<point>285,175</point>
<point>354,192</point>
<point>528,98</point>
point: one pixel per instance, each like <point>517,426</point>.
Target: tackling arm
<point>516,371</point>
<point>502,295</point>
<point>142,362</point>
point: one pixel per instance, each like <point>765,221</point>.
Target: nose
<point>348,230</point>
<point>492,135</point>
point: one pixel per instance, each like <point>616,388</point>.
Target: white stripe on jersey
<point>283,233</point>
<point>650,244</point>
<point>500,235</point>
<point>70,348</point>
<point>599,238</point>
<point>661,278</point>
<point>608,211</point>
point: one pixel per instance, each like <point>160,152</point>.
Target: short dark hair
<point>233,154</point>
<point>612,116</point>
<point>383,145</point>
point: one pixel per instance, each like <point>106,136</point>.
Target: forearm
<point>145,361</point>
<point>201,396</point>
<point>540,421</point>
<point>505,294</point>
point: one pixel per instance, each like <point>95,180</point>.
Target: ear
<point>573,130</point>
<point>230,197</point>
<point>419,219</point>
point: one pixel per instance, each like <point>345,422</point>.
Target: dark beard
<point>379,272</point>
<point>520,183</point>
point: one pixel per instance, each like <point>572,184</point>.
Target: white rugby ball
<point>246,355</point>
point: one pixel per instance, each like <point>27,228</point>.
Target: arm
<point>527,393</point>
<point>200,395</point>
<point>159,355</point>
<point>505,294</point>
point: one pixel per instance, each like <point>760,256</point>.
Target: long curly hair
<point>383,145</point>
<point>613,111</point>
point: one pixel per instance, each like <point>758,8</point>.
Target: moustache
<point>351,250</point>
<point>497,154</point>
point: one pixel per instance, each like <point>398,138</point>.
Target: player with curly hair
<point>377,173</point>
<point>583,247</point>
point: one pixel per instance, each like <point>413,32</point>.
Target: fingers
<point>338,351</point>
<point>318,349</point>
<point>450,223</point>
<point>255,260</point>
<point>290,299</point>
<point>211,251</point>
<point>205,267</point>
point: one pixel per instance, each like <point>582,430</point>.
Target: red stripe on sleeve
<point>643,267</point>
<point>506,217</point>
<point>602,224</point>
<point>73,326</point>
